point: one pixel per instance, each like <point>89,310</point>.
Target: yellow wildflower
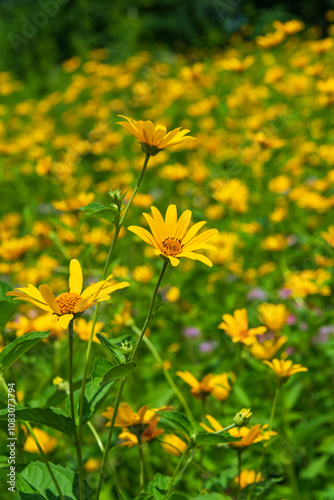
<point>47,442</point>
<point>274,316</point>
<point>173,444</point>
<point>217,385</point>
<point>248,477</point>
<point>284,368</point>
<point>236,327</point>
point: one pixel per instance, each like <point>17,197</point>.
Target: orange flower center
<point>171,246</point>
<point>67,302</point>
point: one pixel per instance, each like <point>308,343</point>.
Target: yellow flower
<point>74,203</point>
<point>83,329</point>
<point>47,442</point>
<point>290,27</point>
<point>142,274</point>
<point>242,417</point>
<point>285,368</point>
<point>329,237</point>
<point>237,327</point>
<point>69,305</point>
<point>274,243</point>
<point>248,477</point>
<point>268,348</point>
<point>173,294</point>
<point>155,135</point>
<point>274,316</point>
<point>270,39</point>
<point>126,417</point>
<point>93,464</point>
<point>173,444</point>
<point>131,439</point>
<point>250,435</point>
<point>171,237</point>
<point>217,385</point>
<point>41,323</point>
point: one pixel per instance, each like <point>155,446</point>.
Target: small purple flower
<point>284,293</point>
<point>324,334</point>
<point>207,346</point>
<point>191,332</point>
<point>257,294</point>
<point>289,351</point>
<point>303,326</point>
<point>291,319</point>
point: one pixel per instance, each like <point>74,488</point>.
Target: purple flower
<point>284,293</point>
<point>324,334</point>
<point>191,332</point>
<point>207,346</point>
<point>291,319</point>
<point>257,294</point>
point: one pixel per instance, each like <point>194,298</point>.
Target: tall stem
<point>122,382</point>
<point>177,468</point>
<point>239,472</point>
<point>118,227</point>
<point>76,442</point>
<point>141,464</point>
<point>167,375</point>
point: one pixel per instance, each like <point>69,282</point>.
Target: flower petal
<point>49,298</point>
<point>76,279</point>
<point>65,319</point>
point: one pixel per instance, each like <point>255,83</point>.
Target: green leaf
<point>33,482</point>
<point>15,349</point>
<point>104,371</point>
<point>179,420</point>
<point>106,212</point>
<point>113,346</point>
<point>208,438</point>
<point>159,486</point>
<point>7,305</point>
<point>92,401</point>
<point>212,496</point>
<point>51,417</point>
<point>258,489</point>
<point>318,467</point>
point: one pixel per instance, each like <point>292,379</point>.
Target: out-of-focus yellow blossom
<point>143,274</point>
<point>176,172</point>
<point>270,39</point>
<point>280,184</point>
<point>248,477</point>
<point>237,65</point>
<point>268,348</point>
<point>83,329</point>
<point>329,236</point>
<point>142,200</point>
<point>275,243</point>
<point>236,327</point>
<point>304,283</point>
<point>321,46</point>
<point>274,316</point>
<point>151,432</point>
<point>93,464</point>
<point>217,385</point>
<point>267,142</point>
<point>14,248</point>
<point>285,368</point>
<point>43,269</point>
<point>127,418</point>
<point>279,214</point>
<point>124,317</point>
<point>47,442</point>
<point>173,444</point>
<point>233,192</point>
<point>173,294</point>
<point>289,27</point>
<point>72,204</point>
<point>42,323</point>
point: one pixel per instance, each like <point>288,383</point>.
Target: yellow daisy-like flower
<point>172,239</point>
<point>248,477</point>
<point>274,316</point>
<point>174,445</point>
<point>69,305</point>
<point>155,137</point>
<point>237,327</point>
<point>217,385</point>
<point>284,368</point>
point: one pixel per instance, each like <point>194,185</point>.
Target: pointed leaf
<point>15,349</point>
<point>103,371</point>
<point>208,439</point>
<point>92,401</point>
<point>179,420</point>
<point>106,212</point>
<point>51,417</point>
<point>113,345</point>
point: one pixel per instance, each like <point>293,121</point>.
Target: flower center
<point>67,302</point>
<point>171,246</point>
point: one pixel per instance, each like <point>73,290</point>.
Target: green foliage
<point>178,420</point>
<point>115,346</point>
<point>93,399</point>
<point>105,212</point>
<point>51,417</point>
<point>104,371</point>
<point>209,439</point>
<point>7,306</point>
<point>13,351</point>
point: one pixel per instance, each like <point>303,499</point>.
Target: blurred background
<point>39,35</point>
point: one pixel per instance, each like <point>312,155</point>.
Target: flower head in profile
<point>68,305</point>
<point>268,348</point>
<point>172,239</point>
<point>284,368</point>
<point>236,327</point>
<point>47,442</point>
<point>248,477</point>
<point>155,138</point>
<point>274,316</point>
<point>217,385</point>
<point>173,444</point>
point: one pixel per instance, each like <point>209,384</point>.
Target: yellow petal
<point>75,277</point>
<point>49,298</point>
<point>65,319</point>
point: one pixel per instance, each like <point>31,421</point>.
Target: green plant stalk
<point>167,375</point>
<point>266,443</point>
<point>122,382</point>
<point>226,428</point>
<point>177,468</point>
<point>141,464</point>
<point>27,424</point>
<point>76,442</point>
<point>118,227</point>
<point>239,472</point>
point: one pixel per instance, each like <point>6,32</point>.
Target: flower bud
<point>149,149</point>
<point>242,417</point>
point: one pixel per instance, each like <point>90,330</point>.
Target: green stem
<point>239,472</point>
<point>167,375</point>
<point>122,382</point>
<point>226,428</point>
<point>141,464</point>
<point>209,475</point>
<point>118,227</point>
<point>266,443</point>
<point>76,442</point>
<point>27,424</point>
<point>176,470</point>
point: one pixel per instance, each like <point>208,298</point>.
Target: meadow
<point>210,330</point>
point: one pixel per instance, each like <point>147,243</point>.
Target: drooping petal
<point>65,319</point>
<point>76,278</point>
<point>188,378</point>
<point>156,231</point>
<point>143,234</point>
<point>197,256</point>
<point>49,298</point>
<point>25,298</point>
<point>173,260</point>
